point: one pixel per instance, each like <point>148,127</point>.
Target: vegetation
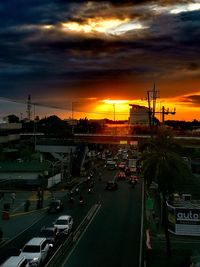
<point>162,164</point>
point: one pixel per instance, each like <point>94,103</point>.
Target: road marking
<point>81,235</point>
<point>142,226</point>
<point>9,240</point>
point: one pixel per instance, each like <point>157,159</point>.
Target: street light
<point>53,164</point>
<point>114,110</point>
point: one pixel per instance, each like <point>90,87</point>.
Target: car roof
<point>35,241</point>
<point>51,228</point>
<point>12,261</point>
<point>64,217</point>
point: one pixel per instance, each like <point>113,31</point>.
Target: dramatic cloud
<point>102,49</point>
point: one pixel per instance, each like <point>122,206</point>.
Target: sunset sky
<point>94,58</point>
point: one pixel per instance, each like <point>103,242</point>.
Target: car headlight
<point>34,262</point>
<point>35,259</point>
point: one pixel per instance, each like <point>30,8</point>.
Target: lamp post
<point>114,110</point>
<point>53,164</point>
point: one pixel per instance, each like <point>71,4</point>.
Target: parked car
<point>64,224</point>
<point>35,251</point>
<point>111,185</point>
<point>50,233</point>
<point>55,206</point>
<point>121,176</point>
<point>16,261</point>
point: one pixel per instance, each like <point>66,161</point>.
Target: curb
<point>27,212</point>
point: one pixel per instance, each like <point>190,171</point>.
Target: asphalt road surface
<point>113,237</point>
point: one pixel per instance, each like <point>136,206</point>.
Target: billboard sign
<point>184,221</point>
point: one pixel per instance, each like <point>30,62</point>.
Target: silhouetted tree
<point>13,119</point>
<point>54,126</point>
<point>161,164</point>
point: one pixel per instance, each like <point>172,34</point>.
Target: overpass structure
<point>185,141</point>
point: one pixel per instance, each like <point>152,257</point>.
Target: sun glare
<point>93,25</point>
<point>109,101</point>
<point>106,26</point>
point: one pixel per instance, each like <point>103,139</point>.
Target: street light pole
<point>53,164</point>
<point>114,110</point>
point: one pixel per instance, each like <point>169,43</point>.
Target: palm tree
<point>162,164</point>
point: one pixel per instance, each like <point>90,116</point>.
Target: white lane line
<point>34,222</point>
<point>81,235</point>
<point>142,226</point>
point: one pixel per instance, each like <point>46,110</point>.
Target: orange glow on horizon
<point>120,110</point>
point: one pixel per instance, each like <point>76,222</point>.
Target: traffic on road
<point>90,225</point>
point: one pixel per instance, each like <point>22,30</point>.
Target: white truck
<point>132,163</point>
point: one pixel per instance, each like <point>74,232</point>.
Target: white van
<point>36,250</point>
<point>64,224</point>
<point>16,261</point>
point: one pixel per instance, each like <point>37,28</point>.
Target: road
<point>113,237</point>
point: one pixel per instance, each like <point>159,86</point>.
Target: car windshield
<point>32,249</point>
<point>46,233</point>
<point>61,222</point>
<point>54,204</point>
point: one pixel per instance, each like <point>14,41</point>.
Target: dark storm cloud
<point>34,58</point>
<point>114,2</point>
<point>192,99</point>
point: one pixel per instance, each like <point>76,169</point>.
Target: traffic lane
<point>31,224</point>
<point>113,238</point>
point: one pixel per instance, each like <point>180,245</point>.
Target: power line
<point>62,108</point>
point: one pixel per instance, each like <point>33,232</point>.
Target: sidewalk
<point>19,219</point>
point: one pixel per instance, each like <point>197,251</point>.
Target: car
<point>55,206</point>
<point>127,171</point>
<point>35,251</point>
<point>16,261</point>
<point>122,165</point>
<point>133,179</point>
<point>50,233</point>
<point>64,224</point>
<point>111,185</point>
<point>121,176</point>
<point>112,165</point>
<point>133,170</point>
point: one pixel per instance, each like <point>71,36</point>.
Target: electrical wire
<point>61,108</point>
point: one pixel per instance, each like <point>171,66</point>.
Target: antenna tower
<point>29,107</point>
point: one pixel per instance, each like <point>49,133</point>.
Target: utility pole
<point>29,106</point>
<point>152,96</point>
<point>114,111</point>
<point>166,112</point>
<point>72,111</point>
<point>72,120</point>
<point>34,127</point>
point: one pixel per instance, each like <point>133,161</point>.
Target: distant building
<point>138,115</point>
<point>9,132</point>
